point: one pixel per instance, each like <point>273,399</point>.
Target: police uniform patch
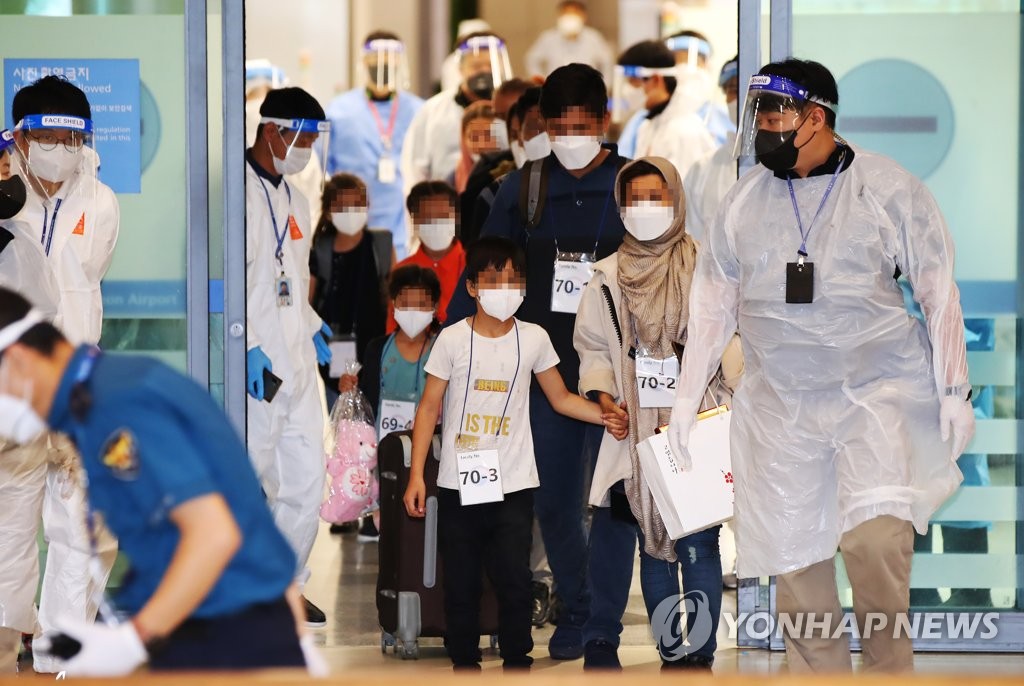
<point>121,455</point>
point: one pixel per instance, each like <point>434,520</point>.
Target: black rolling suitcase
<point>410,594</point>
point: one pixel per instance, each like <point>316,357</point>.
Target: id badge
<point>395,415</point>
<point>283,288</point>
<point>479,476</point>
<point>343,351</point>
<point>573,271</point>
<point>800,283</point>
<point>386,171</point>
<point>656,380</point>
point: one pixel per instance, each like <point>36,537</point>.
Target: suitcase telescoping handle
<point>430,545</point>
<point>435,447</point>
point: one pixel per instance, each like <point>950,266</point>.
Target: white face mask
<point>437,235</point>
<point>295,158</point>
<point>570,25</point>
<point>576,152</point>
<point>519,154</point>
<point>733,111</point>
<point>635,97</point>
<point>538,147</point>
<point>55,166</point>
<point>647,222</point>
<point>499,132</point>
<point>350,222</point>
<point>19,423</point>
<point>413,322</point>
<point>500,303</point>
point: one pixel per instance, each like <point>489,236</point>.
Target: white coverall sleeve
<point>535,62</point>
<point>714,306</point>
<point>416,150</point>
<point>597,371</point>
<point>927,259</point>
<point>689,143</point>
<point>257,298</point>
<point>693,186</point>
<point>108,240</point>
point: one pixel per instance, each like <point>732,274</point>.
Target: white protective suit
<point>432,144</point>
<point>706,184</point>
<point>42,480</point>
<point>284,436</point>
<point>677,135</point>
<point>836,421</point>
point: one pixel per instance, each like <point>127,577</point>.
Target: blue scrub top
<point>151,441</point>
<point>356,147</point>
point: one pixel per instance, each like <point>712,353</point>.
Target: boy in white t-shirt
<point>488,472</point>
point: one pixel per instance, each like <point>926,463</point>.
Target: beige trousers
<point>877,555</point>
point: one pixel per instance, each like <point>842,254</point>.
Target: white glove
<point>106,650</point>
<point>316,665</point>
<point>679,437</point>
<point>956,418</point>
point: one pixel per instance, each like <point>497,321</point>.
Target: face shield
<point>484,64</point>
<point>691,52</point>
<point>628,95</point>
<point>386,65</point>
<point>292,142</point>
<point>6,150</point>
<point>772,114</point>
<point>260,77</point>
<point>55,156</point>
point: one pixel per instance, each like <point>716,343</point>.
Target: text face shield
<point>296,139</point>
<point>386,65</point>
<point>771,113</point>
<point>485,65</point>
<point>55,155</point>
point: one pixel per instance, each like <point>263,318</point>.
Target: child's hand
<point>615,417</point>
<point>416,497</point>
<point>347,383</point>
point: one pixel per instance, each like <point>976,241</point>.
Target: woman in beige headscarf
<point>636,308</point>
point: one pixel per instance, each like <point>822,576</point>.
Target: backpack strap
<point>323,248</point>
<point>533,191</point>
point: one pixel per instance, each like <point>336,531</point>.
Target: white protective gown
<point>284,436</point>
<point>432,144</point>
<point>677,135</point>
<point>46,475</point>
<point>837,418</point>
<point>706,184</point>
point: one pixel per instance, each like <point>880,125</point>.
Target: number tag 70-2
<point>656,381</point>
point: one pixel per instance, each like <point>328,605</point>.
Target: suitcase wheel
<point>386,641</point>
<point>410,650</point>
<point>494,642</point>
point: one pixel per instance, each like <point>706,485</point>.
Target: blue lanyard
<point>600,229</point>
<point>279,235</point>
<point>419,361</point>
<point>47,239</point>
<point>804,235</point>
<point>469,379</point>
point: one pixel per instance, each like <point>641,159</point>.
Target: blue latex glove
<point>323,351</point>
<point>255,362</point>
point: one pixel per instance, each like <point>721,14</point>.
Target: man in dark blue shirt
<point>576,223</point>
<point>209,569</point>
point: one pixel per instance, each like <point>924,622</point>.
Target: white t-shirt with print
<point>494,366</point>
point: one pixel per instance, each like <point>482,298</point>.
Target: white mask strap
<point>10,334</point>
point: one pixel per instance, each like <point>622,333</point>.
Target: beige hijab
<point>655,280</point>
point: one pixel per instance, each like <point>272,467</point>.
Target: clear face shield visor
<point>773,111</point>
<point>54,152</point>
<point>386,65</point>
<point>484,64</point>
<point>261,76</point>
<point>297,144</point>
<point>691,52</point>
<point>628,95</point>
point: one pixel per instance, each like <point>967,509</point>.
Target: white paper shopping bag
<point>698,499</point>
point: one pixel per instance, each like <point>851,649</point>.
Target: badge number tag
<point>395,415</point>
<point>799,283</point>
<point>656,381</point>
<point>571,277</point>
<point>343,351</point>
<point>479,477</point>
<point>386,171</point>
<point>283,288</point>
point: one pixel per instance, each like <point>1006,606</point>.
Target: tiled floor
<point>343,584</point>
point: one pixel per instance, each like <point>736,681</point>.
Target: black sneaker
<point>541,604</point>
<point>367,531</point>
<point>315,617</point>
<point>697,663</point>
<point>600,654</point>
<point>343,528</point>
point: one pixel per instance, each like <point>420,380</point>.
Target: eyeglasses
<point>49,141</point>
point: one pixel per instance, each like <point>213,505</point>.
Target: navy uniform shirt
<point>580,214</point>
<point>150,441</point>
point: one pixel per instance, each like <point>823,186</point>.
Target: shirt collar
<point>827,167</point>
<point>658,109</point>
<point>462,99</point>
<point>274,179</point>
<point>60,411</point>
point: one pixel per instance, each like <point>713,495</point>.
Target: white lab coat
<point>706,184</point>
<point>284,436</point>
<point>552,50</point>
<point>837,419</point>
<point>678,136</point>
<point>432,145</point>
<point>25,270</point>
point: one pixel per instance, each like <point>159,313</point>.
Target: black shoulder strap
<point>323,249</point>
<point>533,191</point>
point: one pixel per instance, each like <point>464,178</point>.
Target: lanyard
<point>824,198</point>
<point>385,134</point>
<point>600,228</point>
<point>279,235</point>
<point>47,239</point>
<point>469,379</point>
<point>419,361</point>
